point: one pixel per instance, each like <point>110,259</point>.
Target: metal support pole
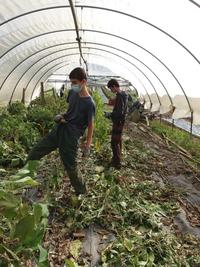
<point>78,38</point>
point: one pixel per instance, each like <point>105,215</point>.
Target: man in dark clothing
<point>62,89</point>
<point>118,118</point>
<point>69,128</point>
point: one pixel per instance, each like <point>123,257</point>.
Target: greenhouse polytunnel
<point>99,133</point>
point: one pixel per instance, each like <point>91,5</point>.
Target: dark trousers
<point>116,142</point>
<point>63,138</point>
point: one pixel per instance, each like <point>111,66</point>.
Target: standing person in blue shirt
<point>118,118</point>
<point>69,128</point>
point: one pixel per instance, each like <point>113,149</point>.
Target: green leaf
<point>75,247</point>
<point>3,171</point>
<point>23,209</point>
<point>40,210</point>
<point>32,165</point>
<point>74,201</point>
<point>99,169</point>
<point>70,263</point>
<point>26,181</point>
<point>142,263</point>
<point>28,170</point>
<point>123,204</point>
<point>43,254</point>
<point>36,238</point>
<point>10,213</point>
<point>24,229</point>
<point>8,200</point>
<point>151,257</point>
<point>128,244</point>
<point>20,174</point>
<point>7,204</point>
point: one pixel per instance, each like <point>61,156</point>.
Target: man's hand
<point>85,150</point>
<point>59,119</point>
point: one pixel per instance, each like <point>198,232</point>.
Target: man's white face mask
<point>76,88</point>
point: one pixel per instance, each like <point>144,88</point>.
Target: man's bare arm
<point>90,134</point>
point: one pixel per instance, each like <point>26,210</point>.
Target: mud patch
<point>181,182</point>
<point>96,240</point>
<point>184,226</point>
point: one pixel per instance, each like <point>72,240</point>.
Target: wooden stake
<point>42,94</point>
<point>23,96</point>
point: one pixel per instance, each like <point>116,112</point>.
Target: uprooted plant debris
<point>126,218</point>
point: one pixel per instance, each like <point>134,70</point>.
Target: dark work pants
<point>116,142</point>
<point>63,138</point>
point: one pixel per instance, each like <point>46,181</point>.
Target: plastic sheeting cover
<point>154,44</point>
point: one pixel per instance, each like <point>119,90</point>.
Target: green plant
<point>17,137</point>
<point>17,108</point>
<point>101,127</point>
<point>22,225</point>
<point>134,211</point>
<point>43,115</point>
<point>138,248</point>
<point>181,137</point>
<point>21,128</point>
<point>11,153</point>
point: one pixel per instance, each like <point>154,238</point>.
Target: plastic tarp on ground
<point>154,44</point>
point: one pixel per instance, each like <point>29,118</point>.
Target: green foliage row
<point>182,138</point>
<point>22,223</point>
<point>21,127</point>
<point>101,128</point>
